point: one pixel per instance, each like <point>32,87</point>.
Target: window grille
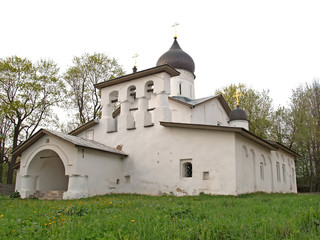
<point>187,170</point>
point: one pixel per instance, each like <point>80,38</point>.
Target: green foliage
<point>27,94</point>
<point>80,78</point>
<point>250,216</point>
<point>305,133</point>
<point>258,106</point>
<point>15,194</point>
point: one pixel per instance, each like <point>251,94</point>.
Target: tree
<point>305,114</point>
<point>258,106</point>
<point>28,91</point>
<point>87,71</point>
<point>5,127</point>
<point>281,126</point>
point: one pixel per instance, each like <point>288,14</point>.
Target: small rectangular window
<point>205,175</point>
<point>127,179</point>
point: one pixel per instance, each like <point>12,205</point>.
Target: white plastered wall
<point>102,170</point>
<point>156,153</point>
<point>185,81</point>
<point>211,113</point>
<point>263,176</point>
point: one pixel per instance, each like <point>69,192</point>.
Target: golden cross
<point>135,59</point>
<point>237,95</point>
<point>175,29</point>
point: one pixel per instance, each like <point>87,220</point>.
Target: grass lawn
<point>252,216</point>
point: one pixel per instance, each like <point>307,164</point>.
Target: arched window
<point>113,97</point>
<point>261,171</point>
<point>149,86</point>
<point>132,92</point>
<point>187,170</point>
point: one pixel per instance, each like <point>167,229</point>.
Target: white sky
<point>271,44</point>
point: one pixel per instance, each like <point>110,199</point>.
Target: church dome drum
<point>177,58</point>
<point>238,114</point>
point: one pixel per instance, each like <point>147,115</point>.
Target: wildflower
<point>13,230</point>
<point>10,206</point>
<point>132,221</point>
<point>1,215</point>
<point>45,224</point>
<point>34,211</point>
<point>204,220</point>
<point>110,202</point>
<point>173,218</point>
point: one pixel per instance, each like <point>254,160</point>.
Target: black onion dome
<point>238,114</point>
<point>177,58</point>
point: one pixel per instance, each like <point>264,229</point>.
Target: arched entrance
<point>46,172</point>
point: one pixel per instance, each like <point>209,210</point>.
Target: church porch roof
<point>76,141</point>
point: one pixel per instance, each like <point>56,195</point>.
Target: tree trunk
<point>14,158</point>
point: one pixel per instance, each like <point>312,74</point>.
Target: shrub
<point>15,194</point>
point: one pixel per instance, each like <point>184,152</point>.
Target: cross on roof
<point>135,59</point>
<point>237,95</point>
<point>175,29</point>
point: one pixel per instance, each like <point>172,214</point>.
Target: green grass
<point>252,216</point>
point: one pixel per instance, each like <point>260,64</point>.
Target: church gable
<point>212,110</point>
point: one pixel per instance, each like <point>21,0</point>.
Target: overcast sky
<point>272,44</point>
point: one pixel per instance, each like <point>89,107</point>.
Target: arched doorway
<point>49,171</point>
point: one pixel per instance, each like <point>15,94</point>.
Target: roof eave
<point>84,127</point>
<point>238,130</point>
<point>284,148</point>
<point>34,138</point>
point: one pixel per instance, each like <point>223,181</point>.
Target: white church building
<point>155,137</point>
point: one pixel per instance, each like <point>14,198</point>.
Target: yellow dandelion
<point>49,223</point>
<point>132,221</point>
<point>1,215</point>
<point>110,202</point>
<point>10,206</point>
<point>204,220</point>
<point>173,219</point>
<point>13,230</point>
<point>45,224</point>
<point>34,211</point>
